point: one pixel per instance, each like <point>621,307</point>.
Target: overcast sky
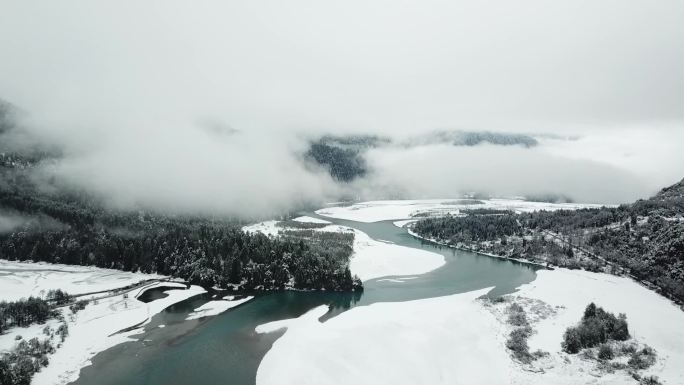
<point>141,79</point>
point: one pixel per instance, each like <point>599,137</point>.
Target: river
<point>225,349</point>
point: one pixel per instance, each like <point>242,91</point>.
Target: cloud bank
<point>207,106</point>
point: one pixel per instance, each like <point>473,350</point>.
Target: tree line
<point>201,253</point>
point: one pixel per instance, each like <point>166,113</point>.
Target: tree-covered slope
<point>644,239</point>
<point>342,156</point>
<point>41,222</point>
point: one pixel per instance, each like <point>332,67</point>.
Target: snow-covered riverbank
<point>434,341</point>
<point>97,326</point>
<point>460,340</point>
<point>436,241</point>
<point>446,340</point>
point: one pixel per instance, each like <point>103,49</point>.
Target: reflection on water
<point>226,350</point>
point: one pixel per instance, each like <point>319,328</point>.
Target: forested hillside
<point>40,223</point>
<point>644,239</point>
<point>342,156</point>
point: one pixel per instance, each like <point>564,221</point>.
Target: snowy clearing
<point>266,228</point>
<point>460,340</point>
<point>24,279</point>
<point>213,308</point>
<point>374,211</point>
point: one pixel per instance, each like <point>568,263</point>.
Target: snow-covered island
<point>371,258</point>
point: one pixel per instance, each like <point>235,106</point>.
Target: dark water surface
<point>226,350</point>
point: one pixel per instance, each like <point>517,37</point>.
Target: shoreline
<point>98,327</point>
<point>645,285</point>
<point>519,260</point>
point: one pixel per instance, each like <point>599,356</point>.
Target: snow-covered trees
<point>75,228</point>
<point>596,327</point>
<point>23,312</point>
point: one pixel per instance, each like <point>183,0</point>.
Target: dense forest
<point>644,240</point>
<point>51,225</point>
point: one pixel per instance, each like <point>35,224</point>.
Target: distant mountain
<point>474,138</point>
<point>343,156</point>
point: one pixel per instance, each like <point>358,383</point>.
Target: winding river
<point>226,350</point>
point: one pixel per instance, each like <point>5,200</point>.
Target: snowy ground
<point>266,227</point>
<point>653,320</point>
<point>460,340</point>
<point>375,211</point>
<point>216,307</point>
<point>23,279</point>
<point>8,339</point>
<point>446,340</point>
<point>271,228</point>
<point>371,258</point>
<point>374,259</point>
